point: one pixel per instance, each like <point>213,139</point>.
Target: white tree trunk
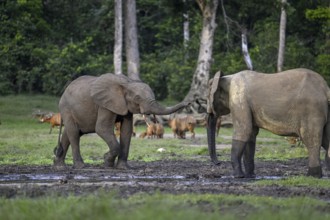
<point>186,35</point>
<point>118,47</point>
<point>245,51</point>
<point>198,89</point>
<point>281,46</point>
<point>131,41</point>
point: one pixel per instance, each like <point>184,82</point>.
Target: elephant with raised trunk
<point>290,103</point>
<point>94,104</point>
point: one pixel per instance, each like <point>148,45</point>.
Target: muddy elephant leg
<point>126,131</point>
<point>314,167</point>
<point>73,134</point>
<point>325,144</point>
<point>78,162</point>
<point>105,129</point>
<point>237,150</point>
<point>60,151</point>
<point>312,140</point>
<point>248,155</point>
<point>242,123</point>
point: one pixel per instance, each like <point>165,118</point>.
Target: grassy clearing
<point>24,141</point>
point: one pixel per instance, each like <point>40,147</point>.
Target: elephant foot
<point>238,174</point>
<point>78,164</point>
<point>59,162</point>
<point>123,165</point>
<point>315,172</point>
<point>249,171</point>
<point>109,164</point>
<point>109,160</point>
<point>250,175</point>
<point>216,162</point>
<point>58,151</point>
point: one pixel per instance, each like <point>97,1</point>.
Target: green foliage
<point>70,62</point>
<point>321,15</point>
<point>45,44</point>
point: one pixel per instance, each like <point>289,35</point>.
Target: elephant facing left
<point>94,104</point>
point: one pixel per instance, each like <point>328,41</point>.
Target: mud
<point>175,177</point>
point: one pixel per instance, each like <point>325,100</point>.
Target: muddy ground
<point>188,176</point>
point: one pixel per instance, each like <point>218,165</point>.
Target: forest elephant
<point>94,104</point>
<point>180,124</point>
<point>290,103</point>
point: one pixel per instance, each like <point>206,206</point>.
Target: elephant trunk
<point>211,127</point>
<point>157,109</point>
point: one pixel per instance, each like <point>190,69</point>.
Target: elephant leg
<point>248,155</point>
<point>71,135</point>
<point>126,131</point>
<point>237,150</point>
<point>74,139</point>
<point>325,144</point>
<point>60,151</point>
<point>312,140</point>
<point>242,123</point>
<point>105,129</point>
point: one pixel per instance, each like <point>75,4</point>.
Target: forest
<point>44,44</point>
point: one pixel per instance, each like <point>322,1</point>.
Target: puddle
<point>25,178</point>
<point>57,177</point>
<point>269,178</point>
<point>256,178</point>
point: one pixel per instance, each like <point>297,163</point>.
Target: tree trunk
<point>281,47</point>
<point>118,47</point>
<point>131,41</point>
<point>245,50</point>
<point>198,89</point>
<point>186,35</point>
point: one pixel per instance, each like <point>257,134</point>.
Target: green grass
<point>163,206</point>
<point>297,181</point>
<point>25,141</point>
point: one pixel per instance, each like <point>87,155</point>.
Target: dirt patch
<point>168,176</point>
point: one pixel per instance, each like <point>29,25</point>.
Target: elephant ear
<point>107,91</point>
<point>213,86</point>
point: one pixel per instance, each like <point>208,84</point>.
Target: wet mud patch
<point>168,176</point>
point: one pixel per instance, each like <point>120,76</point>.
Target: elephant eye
<point>137,98</point>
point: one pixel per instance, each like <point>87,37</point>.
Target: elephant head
<point>121,95</point>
